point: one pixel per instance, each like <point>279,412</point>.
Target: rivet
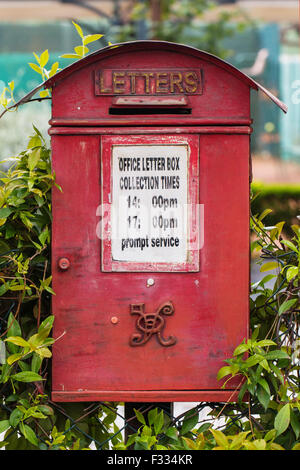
<point>150,282</point>
<point>114,320</point>
<point>64,263</point>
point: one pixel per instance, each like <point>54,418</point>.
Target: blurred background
<point>261,37</point>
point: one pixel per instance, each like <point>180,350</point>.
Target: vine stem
<point>16,105</point>
<point>15,315</point>
<point>250,419</point>
<point>40,298</point>
<point>228,401</point>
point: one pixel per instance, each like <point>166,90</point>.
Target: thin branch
<point>16,105</point>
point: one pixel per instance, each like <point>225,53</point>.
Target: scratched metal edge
<point>153,395</point>
<point>65,130</point>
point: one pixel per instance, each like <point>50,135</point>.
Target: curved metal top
<point>144,46</point>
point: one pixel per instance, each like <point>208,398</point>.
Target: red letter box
<point>150,259</point>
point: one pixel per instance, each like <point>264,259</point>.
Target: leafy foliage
<point>82,50</point>
<point>184,22</point>
<point>284,199</point>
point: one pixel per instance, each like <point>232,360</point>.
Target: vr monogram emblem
<point>149,324</point>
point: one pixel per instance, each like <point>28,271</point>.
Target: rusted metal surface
<point>209,319</point>
<point>205,155</point>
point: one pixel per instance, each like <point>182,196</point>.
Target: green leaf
<point>220,438</point>
<point>36,57</point>
<point>18,340</point>
<point>266,342</point>
<point>189,423</point>
<point>78,28</point>
<point>140,416</point>
<point>44,93</point>
<point>35,341</point>
<point>29,434</point>
<point>44,352</point>
<point>15,417</point>
<point>286,305</point>
<point>264,363</point>
<point>292,272</point>
<point>172,433</point>
<point>44,235</point>
<point>35,67</point>
<point>35,141</point>
<point>25,220</point>
<point>204,427</point>
<point>282,419</point>
<point>13,358</point>
<point>290,245</point>
<point>159,422</point>
<point>34,157</point>
<point>44,58</point>
<point>38,132</point>
<point>46,410</point>
<point>263,396</point>
<point>295,423</point>
<point>4,425</point>
<point>277,372</point>
<point>27,376</point>
<point>238,440</point>
<point>253,360</point>
<point>4,247</point>
<point>152,415</point>
<point>54,69</point>
<point>270,435</point>
<point>70,56</point>
<point>279,228</point>
<point>190,443</point>
<point>240,349</point>
<point>262,281</point>
<point>91,38</point>
<point>276,354</point>
<point>5,212</point>
<point>81,50</point>
<point>2,352</point>
<point>242,392</point>
<point>36,362</point>
<point>4,288</point>
<point>264,384</point>
<point>14,327</point>
<point>223,372</point>
<point>264,214</point>
<point>45,327</point>
<point>269,266</point>
<point>146,431</point>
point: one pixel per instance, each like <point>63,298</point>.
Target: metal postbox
<point>150,144</point>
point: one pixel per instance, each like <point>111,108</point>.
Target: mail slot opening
<point>155,110</point>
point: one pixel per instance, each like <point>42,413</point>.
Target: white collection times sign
<point>149,222</point>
